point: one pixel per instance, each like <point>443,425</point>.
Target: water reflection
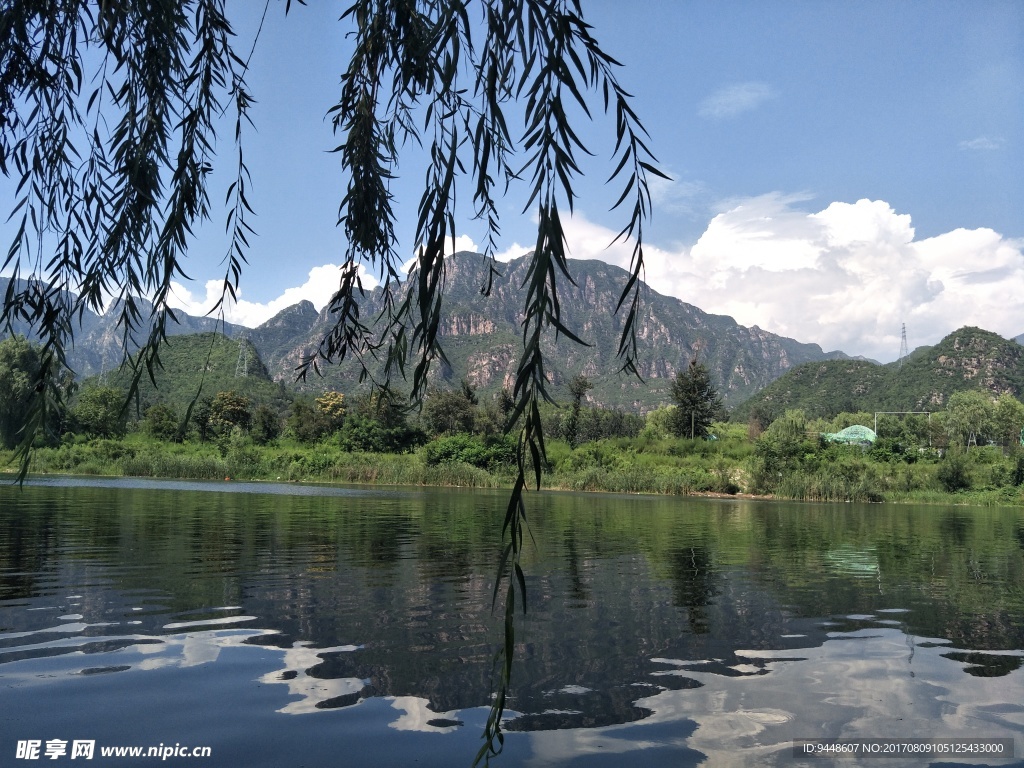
<point>694,583</point>
<point>674,631</point>
<point>311,692</point>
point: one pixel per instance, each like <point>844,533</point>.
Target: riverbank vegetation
<point>732,464</point>
<point>967,452</point>
<point>616,452</point>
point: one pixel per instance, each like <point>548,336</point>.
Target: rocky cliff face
<point>482,336</point>
<point>275,340</point>
<point>977,359</point>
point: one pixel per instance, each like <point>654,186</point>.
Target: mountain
<point>482,337</point>
<point>282,340</point>
<point>969,358</point>
<point>97,345</point>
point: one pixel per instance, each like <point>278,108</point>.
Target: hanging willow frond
<point>112,166</point>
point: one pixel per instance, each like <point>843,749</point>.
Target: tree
<point>578,387</point>
<point>761,417</point>
<point>99,412</point>
<point>20,364</point>
<point>697,402</point>
<point>377,424</point>
<point>968,416</point>
<point>19,367</point>
<point>953,473</point>
<point>658,423</point>
<point>779,450</point>
<point>161,422</point>
<point>332,405</point>
<point>266,424</point>
<point>602,423</point>
<point>1008,419</point>
<point>229,410</point>
<point>505,403</point>
<point>305,421</point>
<point>201,416</point>
<point>107,118</point>
<point>447,412</point>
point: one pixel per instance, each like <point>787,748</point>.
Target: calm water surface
<point>298,626</point>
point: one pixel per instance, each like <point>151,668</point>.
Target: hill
<point>969,358</point>
<point>482,337</point>
<point>97,346</point>
<point>210,360</point>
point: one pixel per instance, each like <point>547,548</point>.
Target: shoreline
<point>727,469</point>
<point>950,500</point>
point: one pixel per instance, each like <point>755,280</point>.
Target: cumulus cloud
<point>514,251</point>
<point>733,100</point>
<point>320,286</point>
<point>846,277</point>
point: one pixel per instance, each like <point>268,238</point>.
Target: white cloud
<point>982,143</point>
<point>514,251</point>
<point>461,243</point>
<point>845,277</point>
<point>733,100</point>
<point>452,245</point>
<point>320,286</point>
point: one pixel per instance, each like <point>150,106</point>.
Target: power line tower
<point>104,372</point>
<point>903,346</point>
<point>242,366</point>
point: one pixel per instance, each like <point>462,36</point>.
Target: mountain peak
<point>303,312</point>
<point>482,337</point>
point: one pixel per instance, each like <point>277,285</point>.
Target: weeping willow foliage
<point>107,113</point>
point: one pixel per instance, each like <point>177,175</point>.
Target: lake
<point>291,626</point>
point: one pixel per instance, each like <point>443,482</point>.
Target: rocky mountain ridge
<point>481,337</point>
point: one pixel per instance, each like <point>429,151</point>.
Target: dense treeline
<point>970,448</point>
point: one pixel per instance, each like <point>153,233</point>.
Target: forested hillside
<point>969,358</point>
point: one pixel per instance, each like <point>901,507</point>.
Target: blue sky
<point>838,168</point>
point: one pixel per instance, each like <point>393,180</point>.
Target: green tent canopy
<point>855,435</point>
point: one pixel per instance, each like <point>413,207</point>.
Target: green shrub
<point>1018,470</point>
<point>452,449</point>
<point>953,473</point>
<point>596,455</point>
<point>369,435</point>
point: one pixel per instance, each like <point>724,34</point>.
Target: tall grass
<point>175,466</point>
<point>645,464</point>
